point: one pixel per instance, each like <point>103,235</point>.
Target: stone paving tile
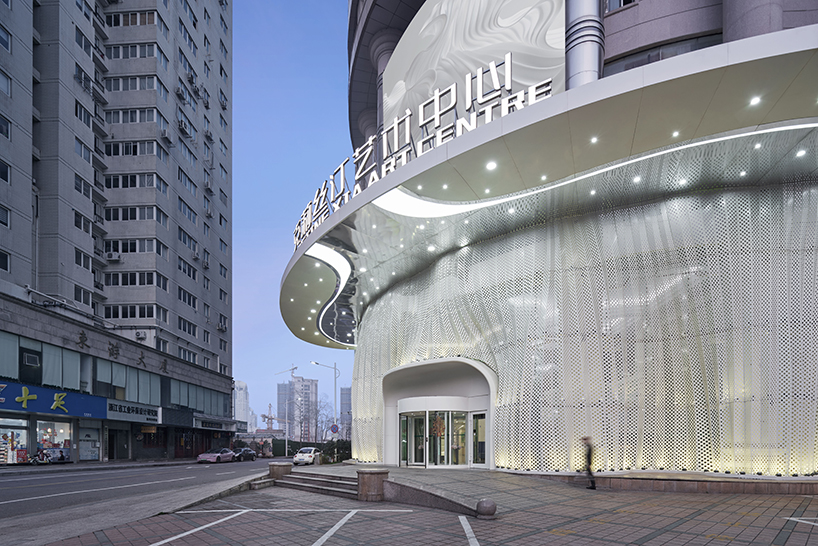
<point>532,512</point>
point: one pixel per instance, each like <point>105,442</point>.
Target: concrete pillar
<point>279,470</point>
<point>370,484</point>
<point>381,46</point>
<point>745,18</point>
<point>584,42</point>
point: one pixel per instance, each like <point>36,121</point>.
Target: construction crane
<point>269,417</point>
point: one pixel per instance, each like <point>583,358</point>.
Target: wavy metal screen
<point>679,334</point>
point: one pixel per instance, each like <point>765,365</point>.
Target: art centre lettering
<point>441,118</point>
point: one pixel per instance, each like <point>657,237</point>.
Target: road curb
<point>57,468</point>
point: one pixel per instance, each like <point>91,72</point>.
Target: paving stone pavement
<point>531,512</point>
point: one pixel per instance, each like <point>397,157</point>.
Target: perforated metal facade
<point>679,333</point>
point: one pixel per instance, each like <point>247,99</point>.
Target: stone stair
<point>337,486</point>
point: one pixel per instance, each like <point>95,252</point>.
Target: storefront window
<point>54,440</point>
<point>13,441</point>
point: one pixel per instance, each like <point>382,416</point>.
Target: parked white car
<point>306,455</point>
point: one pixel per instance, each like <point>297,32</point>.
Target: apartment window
<point>162,314</point>
<point>207,18</point>
<point>222,221</point>
<point>187,269</point>
<point>5,83</point>
<point>223,73</point>
<point>222,24</point>
<point>186,65</point>
<point>82,114</point>
<point>144,180</point>
<point>80,38</point>
<point>163,91</point>
<point>223,246</point>
<point>186,181</point>
<point>187,154</point>
<point>5,214</point>
<point>222,146</point>
<point>162,282</point>
<point>5,127</point>
<point>222,344</point>
<point>222,172</point>
<point>185,209</point>
<point>5,172</point>
<point>222,296</point>
<point>7,2</point>
<point>82,186</point>
<point>206,336</point>
<point>82,150</point>
<point>162,345</point>
<point>187,327</point>
<point>5,39</point>
<point>82,259</point>
<point>222,197</point>
<point>82,223</point>
<point>131,19</point>
<point>206,310</point>
<point>163,28</point>
<point>187,298</point>
<point>144,147</point>
<point>206,230</point>
<point>187,355</point>
<point>222,271</point>
<point>4,261</point>
<point>187,38</point>
<point>187,240</point>
<point>222,122</point>
<point>128,214</point>
<point>206,69</point>
<point>223,49</point>
<point>82,295</point>
<point>189,10</point>
<point>206,285</point>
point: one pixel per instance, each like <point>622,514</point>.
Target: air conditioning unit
<point>141,335</point>
<point>191,77</point>
<point>195,255</point>
<point>209,213</point>
<point>209,135</point>
<point>208,186</point>
<point>205,265</point>
<point>206,102</point>
<point>166,135</point>
<point>197,91</point>
<point>184,128</point>
<point>221,327</point>
<point>113,256</point>
<point>180,92</point>
<point>223,103</point>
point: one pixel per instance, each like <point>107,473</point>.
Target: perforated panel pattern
<point>679,334</point>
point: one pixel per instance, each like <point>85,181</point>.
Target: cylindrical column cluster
<point>584,42</point>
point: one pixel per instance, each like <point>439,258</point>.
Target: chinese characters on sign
<point>435,122</point>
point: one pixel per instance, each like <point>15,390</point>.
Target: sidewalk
<point>531,511</point>
<point>21,470</point>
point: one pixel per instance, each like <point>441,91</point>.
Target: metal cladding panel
<point>679,334</point>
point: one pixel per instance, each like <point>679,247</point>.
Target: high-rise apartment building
<point>115,223</point>
<point>298,404</point>
<point>345,418</point>
<point>241,401</point>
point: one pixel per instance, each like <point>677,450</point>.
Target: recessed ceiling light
<point>801,153</point>
<point>401,245</point>
<point>372,279</point>
<point>362,270</point>
<point>758,145</point>
<point>318,302</point>
<point>754,101</point>
<point>316,333</point>
<point>305,284</point>
<point>349,335</point>
<point>343,312</point>
<point>302,328</point>
<point>365,251</point>
<point>491,165</point>
<point>511,211</point>
<point>365,294</point>
<point>593,140</point>
<point>466,222</point>
<point>317,264</point>
<point>421,226</point>
<point>374,226</point>
<point>420,187</point>
<point>543,177</point>
<point>637,179</point>
<point>377,288</point>
<point>743,173</point>
<point>393,273</point>
<point>430,248</point>
<point>675,134</point>
<point>593,192</point>
<point>292,299</point>
<point>320,280</point>
<point>683,181</point>
<point>312,310</point>
<point>445,186</point>
<point>487,190</point>
<point>442,222</point>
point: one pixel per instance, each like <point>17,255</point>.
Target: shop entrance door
<point>118,444</point>
<point>478,443</point>
<point>418,440</point>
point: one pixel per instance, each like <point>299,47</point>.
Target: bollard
<point>279,470</point>
<point>486,509</point>
<point>370,484</point>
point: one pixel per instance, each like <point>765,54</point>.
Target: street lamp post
<point>334,389</point>
<point>287,411</point>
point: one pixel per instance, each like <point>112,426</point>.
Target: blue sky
<point>290,130</point>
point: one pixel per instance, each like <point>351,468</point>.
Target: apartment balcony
<point>99,59</point>
<point>99,25</point>
<point>98,162</point>
<point>99,125</point>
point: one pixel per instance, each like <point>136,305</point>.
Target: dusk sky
<point>290,130</point>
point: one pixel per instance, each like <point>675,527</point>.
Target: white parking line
<point>335,527</point>
<point>186,533</point>
<point>804,520</point>
<point>469,533</point>
<point>285,510</point>
<point>92,490</point>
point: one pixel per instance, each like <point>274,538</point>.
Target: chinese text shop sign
<point>18,397</point>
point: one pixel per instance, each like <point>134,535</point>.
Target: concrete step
<point>324,481</point>
<point>320,489</point>
<point>261,484</point>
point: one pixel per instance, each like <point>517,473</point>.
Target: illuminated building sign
<point>28,398</point>
<point>483,96</point>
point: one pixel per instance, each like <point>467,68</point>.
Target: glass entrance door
<point>418,440</point>
<point>434,438</point>
<point>478,451</point>
<point>404,441</point>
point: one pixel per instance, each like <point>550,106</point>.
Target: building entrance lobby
<point>439,414</point>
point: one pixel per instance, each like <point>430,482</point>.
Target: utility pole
<point>287,410</point>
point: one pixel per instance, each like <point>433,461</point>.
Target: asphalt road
<point>38,508</point>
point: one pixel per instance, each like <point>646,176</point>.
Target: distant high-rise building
<point>252,421</point>
<point>298,404</point>
<point>115,224</point>
<point>241,401</point>
<point>345,419</point>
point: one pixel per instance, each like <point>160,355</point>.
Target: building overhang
<point>661,131</point>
